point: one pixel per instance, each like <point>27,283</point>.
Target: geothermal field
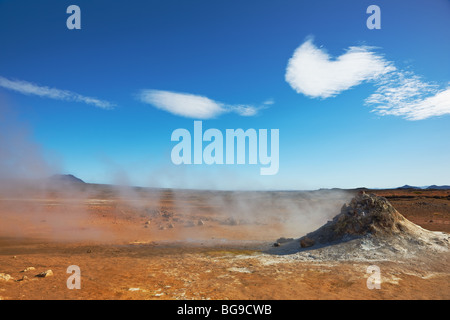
<point>162,244</point>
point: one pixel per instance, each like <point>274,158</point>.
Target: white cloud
<point>192,106</point>
<point>399,88</point>
<point>182,104</point>
<point>312,72</point>
<point>406,95</point>
<point>29,88</point>
<point>436,105</point>
<point>244,110</point>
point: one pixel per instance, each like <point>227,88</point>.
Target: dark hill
<point>66,179</point>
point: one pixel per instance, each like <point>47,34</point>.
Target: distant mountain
<point>409,187</point>
<point>66,179</point>
<point>438,187</point>
<point>435,187</point>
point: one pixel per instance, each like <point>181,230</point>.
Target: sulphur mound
<point>367,214</point>
<point>369,227</point>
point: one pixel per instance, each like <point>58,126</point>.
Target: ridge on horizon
<point>70,178</point>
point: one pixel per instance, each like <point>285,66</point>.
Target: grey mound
<point>368,228</point>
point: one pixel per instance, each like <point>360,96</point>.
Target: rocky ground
<point>185,246</point>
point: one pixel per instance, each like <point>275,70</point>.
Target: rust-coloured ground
<point>173,257</point>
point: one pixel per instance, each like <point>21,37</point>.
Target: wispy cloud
<point>312,72</point>
<point>268,102</point>
<point>29,88</point>
<point>192,106</point>
<point>406,95</point>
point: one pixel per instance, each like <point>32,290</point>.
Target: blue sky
<point>235,53</point>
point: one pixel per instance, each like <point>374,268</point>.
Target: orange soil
<point>108,239</point>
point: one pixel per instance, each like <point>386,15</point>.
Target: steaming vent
<point>366,214</point>
<point>368,228</point>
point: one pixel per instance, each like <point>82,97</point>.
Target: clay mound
<point>366,214</point>
<point>366,229</point>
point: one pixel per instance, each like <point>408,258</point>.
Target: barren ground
<point>175,256</point>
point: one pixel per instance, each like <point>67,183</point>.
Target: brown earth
<point>158,249</point>
<point>430,209</point>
